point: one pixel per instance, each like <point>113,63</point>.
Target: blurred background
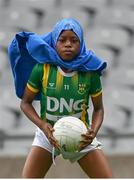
<point>109,31</point>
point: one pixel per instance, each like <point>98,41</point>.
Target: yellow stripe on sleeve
<point>97,94</point>
<point>32,88</point>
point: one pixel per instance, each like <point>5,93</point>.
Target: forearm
<point>30,112</point>
<point>97,119</point>
<point>32,115</point>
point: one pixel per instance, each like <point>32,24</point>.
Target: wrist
<point>92,131</point>
<point>95,130</point>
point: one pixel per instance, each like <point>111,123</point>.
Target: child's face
<point>68,45</point>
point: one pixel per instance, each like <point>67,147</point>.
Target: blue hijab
<point>28,48</point>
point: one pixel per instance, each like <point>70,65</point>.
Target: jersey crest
<point>81,88</point>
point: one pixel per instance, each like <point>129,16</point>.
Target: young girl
<point>65,77</point>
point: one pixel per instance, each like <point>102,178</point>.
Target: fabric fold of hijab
<point>28,48</point>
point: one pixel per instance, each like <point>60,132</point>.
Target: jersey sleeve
<point>96,87</point>
<point>35,79</point>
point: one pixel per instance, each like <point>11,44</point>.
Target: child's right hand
<point>48,130</point>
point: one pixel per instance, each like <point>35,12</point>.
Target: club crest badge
<point>81,88</point>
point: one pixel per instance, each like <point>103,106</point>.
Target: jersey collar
<point>69,74</point>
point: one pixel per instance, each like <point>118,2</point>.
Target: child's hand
<point>87,139</point>
<point>48,130</point>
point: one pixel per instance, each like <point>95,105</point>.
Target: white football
<point>68,132</point>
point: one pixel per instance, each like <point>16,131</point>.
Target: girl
<point>65,76</point>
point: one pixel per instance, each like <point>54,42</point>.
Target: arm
<point>97,119</point>
<point>28,109</point>
<point>98,113</point>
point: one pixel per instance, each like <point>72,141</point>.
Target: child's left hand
<point>87,139</point>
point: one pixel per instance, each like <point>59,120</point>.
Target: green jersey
<point>64,94</point>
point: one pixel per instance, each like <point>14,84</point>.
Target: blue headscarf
<point>28,48</point>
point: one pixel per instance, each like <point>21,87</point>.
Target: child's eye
<point>75,40</point>
<point>61,40</point>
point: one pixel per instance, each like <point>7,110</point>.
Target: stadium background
<point>109,32</point>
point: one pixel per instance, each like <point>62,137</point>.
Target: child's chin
<point>67,60</point>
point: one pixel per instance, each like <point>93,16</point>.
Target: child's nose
<point>68,43</point>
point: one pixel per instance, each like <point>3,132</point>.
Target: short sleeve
<point>35,79</point>
<point>96,87</point>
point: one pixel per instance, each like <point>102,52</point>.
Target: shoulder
<point>37,70</point>
<point>94,74</point>
<point>90,74</point>
<point>41,67</point>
